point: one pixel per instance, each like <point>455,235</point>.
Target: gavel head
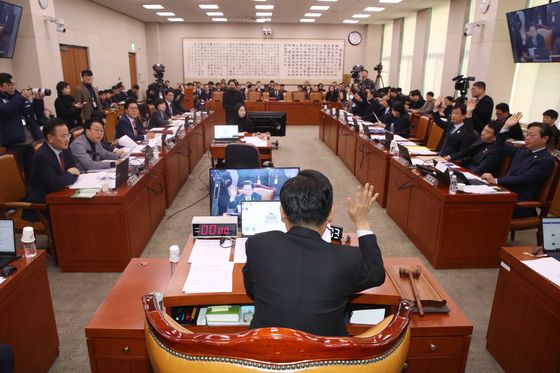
<point>416,273</point>
<point>403,272</point>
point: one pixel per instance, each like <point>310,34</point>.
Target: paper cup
<point>28,235</point>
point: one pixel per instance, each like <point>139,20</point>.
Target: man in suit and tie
<point>276,92</point>
<point>534,39</point>
<point>130,125</point>
<point>299,281</point>
<point>459,133</point>
<point>503,114</point>
<point>484,106</point>
<point>247,194</point>
<point>530,166</point>
<point>549,118</point>
<point>86,93</point>
<point>53,164</point>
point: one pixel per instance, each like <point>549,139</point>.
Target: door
<point>74,60</point>
<point>133,73</point>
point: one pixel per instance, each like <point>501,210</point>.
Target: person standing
<point>66,106</point>
<point>232,97</point>
<point>87,94</point>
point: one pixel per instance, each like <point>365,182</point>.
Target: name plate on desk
<point>403,161</point>
<point>170,145</point>
<point>132,180</point>
<point>431,180</point>
<point>380,146</point>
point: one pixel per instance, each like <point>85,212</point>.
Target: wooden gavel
<point>414,274</point>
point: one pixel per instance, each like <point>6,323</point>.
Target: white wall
<point>405,73</point>
<point>165,45</point>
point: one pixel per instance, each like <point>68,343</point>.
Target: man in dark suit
<point>484,106</point>
<point>276,92</point>
<point>172,107</point>
<point>130,125</point>
<point>247,194</point>
<point>232,96</point>
<point>87,93</point>
<point>549,118</point>
<point>534,39</point>
<point>299,281</point>
<point>459,133</point>
<point>530,166</point>
<point>503,114</point>
<point>481,156</point>
<point>53,164</point>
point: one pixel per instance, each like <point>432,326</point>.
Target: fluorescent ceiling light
<point>214,14</point>
<point>361,15</point>
<point>263,20</point>
<point>312,15</point>
<point>219,19</point>
<point>350,21</point>
<point>374,9</point>
<point>175,19</point>
<point>307,20</point>
<point>264,14</point>
<point>332,1</point>
<point>264,7</point>
<point>165,14</point>
<point>319,7</point>
<point>390,1</point>
<point>208,6</point>
<point>152,6</point>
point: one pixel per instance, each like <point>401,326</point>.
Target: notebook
<point>7,242</point>
<point>225,132</point>
<point>551,237</point>
<point>260,216</point>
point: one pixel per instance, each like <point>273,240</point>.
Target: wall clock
<point>354,38</point>
<point>484,5</point>
<point>44,4</point>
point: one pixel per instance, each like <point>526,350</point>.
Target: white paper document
<point>209,251</point>
<point>209,278</point>
<point>253,140</point>
<point>127,142</point>
<point>367,317</point>
<point>239,254</point>
<point>548,268</point>
<point>479,189</point>
<point>94,180</point>
<point>471,176</point>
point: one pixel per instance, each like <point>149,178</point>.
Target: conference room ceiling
<point>285,11</point>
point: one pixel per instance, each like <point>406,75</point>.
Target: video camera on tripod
<point>462,83</point>
<point>356,70</point>
<point>157,89</point>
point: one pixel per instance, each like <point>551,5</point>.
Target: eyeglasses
<point>65,137</point>
<point>98,130</point>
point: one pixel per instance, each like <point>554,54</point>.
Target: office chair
<point>12,203</point>
<point>298,96</point>
<point>421,130</point>
<point>172,348</point>
<point>435,137</point>
<point>253,96</point>
<point>316,96</point>
<point>242,156</point>
<point>543,203</point>
<point>414,118</point>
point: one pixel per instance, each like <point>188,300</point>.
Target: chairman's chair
<point>12,202</point>
<point>316,96</point>
<point>298,96</point>
<point>543,203</point>
<point>242,156</point>
<point>421,130</point>
<point>253,96</point>
<point>172,348</point>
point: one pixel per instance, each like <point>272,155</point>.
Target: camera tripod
<point>378,83</point>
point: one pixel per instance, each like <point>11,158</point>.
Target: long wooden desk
<point>452,231</point>
<point>440,342</point>
<point>524,329</point>
<point>27,320</point>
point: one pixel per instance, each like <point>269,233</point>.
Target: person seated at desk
<point>247,194</point>
<point>459,133</point>
<point>416,99</point>
<point>400,123</point>
<point>206,94</point>
<point>276,92</point>
<point>53,165</point>
<point>159,117</point>
<point>549,118</point>
<point>88,152</point>
<point>130,125</point>
<point>530,166</point>
<point>333,95</point>
<point>171,106</point>
<point>428,106</point>
<point>243,123</point>
<point>299,281</point>
<point>503,114</point>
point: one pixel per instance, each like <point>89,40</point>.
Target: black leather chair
<point>242,156</point>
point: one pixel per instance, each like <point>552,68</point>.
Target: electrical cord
<point>187,207</point>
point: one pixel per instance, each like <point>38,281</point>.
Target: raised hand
<point>513,120</point>
<point>358,209</point>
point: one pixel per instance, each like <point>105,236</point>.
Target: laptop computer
<point>551,237</point>
<point>7,242</point>
<point>404,153</point>
<point>121,173</point>
<point>461,178</point>
<point>260,216</point>
<point>225,133</point>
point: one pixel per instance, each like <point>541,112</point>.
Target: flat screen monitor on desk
<point>269,121</point>
<point>261,216</point>
<point>7,242</point>
<point>551,236</point>
<point>229,187</point>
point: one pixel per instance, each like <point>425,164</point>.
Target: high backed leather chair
<point>172,348</point>
<point>217,96</point>
<point>298,96</point>
<point>288,96</point>
<point>242,156</point>
<point>316,96</point>
<point>421,132</point>
<point>253,96</point>
<point>414,118</point>
<point>435,137</point>
<point>12,202</point>
<point>543,203</point>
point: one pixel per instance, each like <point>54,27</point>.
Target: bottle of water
<point>174,256</point>
<point>392,128</point>
<point>28,242</point>
<point>394,148</point>
<point>453,184</point>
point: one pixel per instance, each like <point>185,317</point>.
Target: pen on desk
<point>535,255</point>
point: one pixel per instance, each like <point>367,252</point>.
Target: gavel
<point>414,274</point>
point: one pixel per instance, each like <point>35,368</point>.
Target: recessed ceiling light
<point>361,15</point>
<point>208,6</point>
<point>263,20</point>
<point>214,14</point>
<point>259,0</point>
<point>165,14</point>
<point>264,14</point>
<point>264,7</point>
<point>152,6</point>
<point>312,15</point>
<point>175,19</point>
<point>332,1</point>
<point>219,19</point>
<point>390,1</point>
<point>307,20</point>
<point>319,7</point>
<point>374,9</point>
<point>350,21</point>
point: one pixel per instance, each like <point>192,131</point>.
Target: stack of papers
<point>253,140</point>
<point>548,268</point>
<point>94,180</point>
<point>209,251</point>
<point>209,278</point>
<point>239,254</point>
<point>367,317</point>
<point>479,189</point>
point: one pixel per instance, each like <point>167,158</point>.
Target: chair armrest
<point>23,205</point>
<point>528,204</point>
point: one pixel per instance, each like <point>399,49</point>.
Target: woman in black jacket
<point>243,123</point>
<point>400,122</point>
<point>66,106</point>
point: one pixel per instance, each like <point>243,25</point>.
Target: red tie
<point>61,162</point>
<point>134,127</point>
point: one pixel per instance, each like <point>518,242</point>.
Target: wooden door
<point>74,60</point>
<point>133,71</point>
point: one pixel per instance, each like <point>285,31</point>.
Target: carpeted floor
<point>76,296</point>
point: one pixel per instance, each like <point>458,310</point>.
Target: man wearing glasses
<point>53,164</point>
<point>88,152</point>
<point>19,128</point>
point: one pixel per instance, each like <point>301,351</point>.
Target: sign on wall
<point>283,60</point>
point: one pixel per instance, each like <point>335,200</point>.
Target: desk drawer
<point>120,347</point>
<point>436,346</point>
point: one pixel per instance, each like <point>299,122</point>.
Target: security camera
<point>469,28</point>
<point>59,22</point>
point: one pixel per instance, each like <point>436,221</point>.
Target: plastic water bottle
<point>453,184</point>
<point>28,242</point>
<point>394,148</point>
<point>174,256</point>
<point>392,128</point>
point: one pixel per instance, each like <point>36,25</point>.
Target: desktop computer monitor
<point>260,216</point>
<point>269,121</point>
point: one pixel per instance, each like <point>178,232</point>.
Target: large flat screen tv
<point>535,33</point>
<point>10,15</point>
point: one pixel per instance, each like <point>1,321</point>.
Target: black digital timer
<point>214,226</point>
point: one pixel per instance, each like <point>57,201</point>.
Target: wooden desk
<point>452,231</point>
<point>524,329</point>
<point>177,169</point>
<point>218,151</point>
<point>27,320</point>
